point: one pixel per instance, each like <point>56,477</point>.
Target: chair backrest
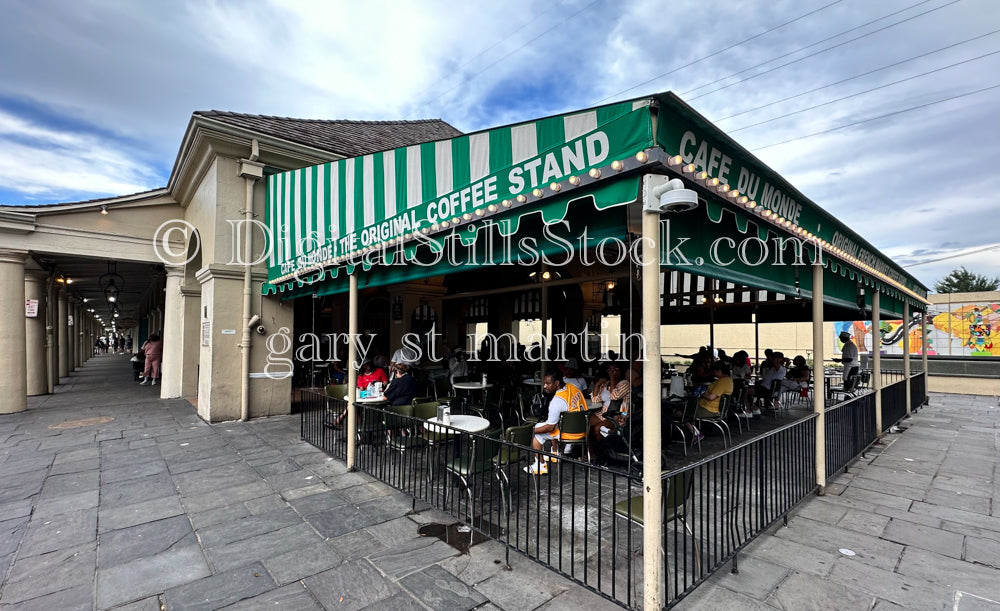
<point>520,435</point>
<point>725,404</point>
<point>402,417</point>
<point>573,425</point>
<point>851,383</point>
<point>422,400</point>
<point>775,388</point>
<point>425,410</point>
<point>337,391</point>
<point>690,409</point>
<point>866,378</point>
<point>679,488</point>
<point>484,449</point>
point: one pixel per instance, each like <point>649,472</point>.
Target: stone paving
<point>111,498</point>
<point>913,525</point>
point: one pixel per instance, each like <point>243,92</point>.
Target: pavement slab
<point>294,596</point>
<point>143,540</point>
<point>220,590</point>
<point>351,586</point>
<point>147,576</point>
<point>439,589</point>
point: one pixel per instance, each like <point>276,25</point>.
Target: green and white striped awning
<point>331,218</point>
<point>332,214</point>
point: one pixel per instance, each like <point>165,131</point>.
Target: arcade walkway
<point>113,498</point>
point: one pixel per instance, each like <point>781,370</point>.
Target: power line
<point>853,95</point>
<point>713,54</point>
<point>525,44</point>
<point>891,114</point>
<point>955,256</point>
<point>850,78</point>
<point>821,51</point>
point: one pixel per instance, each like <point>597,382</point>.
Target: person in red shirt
<point>369,374</point>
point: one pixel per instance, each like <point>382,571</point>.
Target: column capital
<point>13,256</point>
<point>174,271</point>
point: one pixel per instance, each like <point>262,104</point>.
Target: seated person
<point>740,369</point>
<point>618,404</point>
<point>762,389</point>
<point>701,370</point>
<point>370,374</point>
<point>798,376</point>
<point>708,403</point>
<point>571,375</point>
<point>403,386</point>
<point>564,399</point>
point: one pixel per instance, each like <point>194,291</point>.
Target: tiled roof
<point>347,138</point>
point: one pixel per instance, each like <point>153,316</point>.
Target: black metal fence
<point>893,404</point>
<point>918,388</point>
<point>734,497</point>
<point>581,520</point>
<point>850,429</point>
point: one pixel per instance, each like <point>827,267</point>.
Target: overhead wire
<point>714,53</point>
<point>955,255</point>
<point>505,56</point>
<point>814,54</point>
<point>853,95</point>
<point>887,115</point>
<point>856,76</point>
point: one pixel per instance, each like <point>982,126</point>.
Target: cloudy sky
<point>885,113</point>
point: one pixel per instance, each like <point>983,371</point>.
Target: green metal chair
<point>335,403</point>
<point>573,425</point>
<point>511,454</point>
<point>690,409</point>
<point>719,420</point>
<point>479,460</point>
<point>678,492</point>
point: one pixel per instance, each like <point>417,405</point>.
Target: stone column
<point>173,332</point>
<point>13,375</point>
<point>34,330</point>
<point>52,337</point>
<point>63,333</point>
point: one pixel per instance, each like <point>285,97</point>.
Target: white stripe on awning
<point>335,202</point>
<point>368,189</point>
<point>350,225</point>
<point>442,167</point>
<point>321,232</point>
<point>479,156</point>
<point>524,143</point>
<point>389,172</point>
<point>577,125</point>
<point>309,242</point>
<point>414,190</point>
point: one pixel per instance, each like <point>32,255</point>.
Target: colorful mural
<point>964,329</point>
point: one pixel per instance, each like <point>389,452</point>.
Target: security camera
<point>663,194</point>
<point>261,330</point>
<point>253,321</point>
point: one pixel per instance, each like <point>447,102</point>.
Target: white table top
<point>472,424</point>
<point>366,399</point>
<point>472,385</point>
<point>533,382</point>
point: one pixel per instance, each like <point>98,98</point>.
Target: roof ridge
<point>227,113</point>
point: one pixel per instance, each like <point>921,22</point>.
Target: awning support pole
<point>923,356</point>
<point>906,354</point>
<point>877,361</point>
<point>819,398</point>
<point>352,368</point>
<point>652,505</point>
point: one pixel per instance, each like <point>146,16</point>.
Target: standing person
<point>153,349</point>
<point>849,356</point>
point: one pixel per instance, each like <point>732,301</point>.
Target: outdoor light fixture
<point>675,160</point>
<point>104,209</point>
<point>661,194</point>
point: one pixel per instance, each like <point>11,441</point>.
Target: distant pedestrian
<point>153,349</point>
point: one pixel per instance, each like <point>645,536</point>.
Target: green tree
<point>962,280</point>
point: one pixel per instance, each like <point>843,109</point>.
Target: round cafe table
<point>462,422</point>
<point>472,387</point>
<point>367,399</point>
<point>536,383</point>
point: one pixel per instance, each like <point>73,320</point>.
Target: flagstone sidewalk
<point>111,498</point>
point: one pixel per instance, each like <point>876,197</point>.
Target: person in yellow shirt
<point>565,398</point>
<point>708,404</point>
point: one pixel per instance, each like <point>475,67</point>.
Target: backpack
<point>540,407</point>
